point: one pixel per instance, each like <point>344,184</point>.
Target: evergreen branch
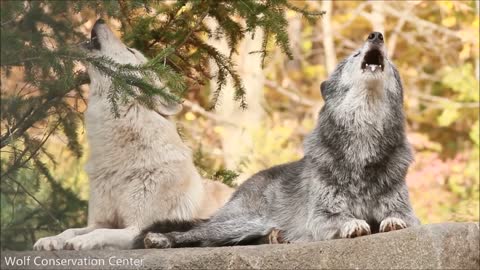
<point>170,21</point>
<point>32,116</point>
<point>35,114</point>
<point>34,198</point>
<point>198,69</point>
<point>18,163</point>
<point>15,16</point>
<point>197,24</point>
<point>224,64</point>
<point>124,11</point>
<point>309,15</point>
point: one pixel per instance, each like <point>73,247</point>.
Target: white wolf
<point>139,168</point>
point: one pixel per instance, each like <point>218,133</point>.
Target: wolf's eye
<point>355,55</point>
<point>130,50</point>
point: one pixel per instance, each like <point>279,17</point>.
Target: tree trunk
<point>295,37</point>
<point>328,44</point>
<point>377,19</point>
<point>477,62</point>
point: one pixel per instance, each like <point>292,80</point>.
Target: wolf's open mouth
<point>373,59</point>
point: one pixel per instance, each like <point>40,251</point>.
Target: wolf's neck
<point>357,128</point>
<point>364,107</point>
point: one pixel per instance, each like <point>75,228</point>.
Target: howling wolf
<point>139,168</point>
<point>351,181</point>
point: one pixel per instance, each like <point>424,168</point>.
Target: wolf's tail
<point>166,226</point>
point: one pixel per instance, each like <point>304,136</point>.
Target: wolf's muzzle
<point>374,58</point>
<point>375,37</point>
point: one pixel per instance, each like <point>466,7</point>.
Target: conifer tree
<point>42,84</point>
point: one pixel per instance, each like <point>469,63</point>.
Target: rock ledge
<point>434,246</point>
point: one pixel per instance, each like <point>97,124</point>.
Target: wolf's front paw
<point>49,243</point>
<point>276,237</point>
<point>354,228</point>
<point>85,242</point>
<point>392,224</point>
<point>157,240</point>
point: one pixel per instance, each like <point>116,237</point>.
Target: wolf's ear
<point>168,108</point>
<point>323,89</point>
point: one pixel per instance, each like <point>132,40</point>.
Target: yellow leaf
<point>475,133</point>
<point>291,14</point>
<point>449,21</point>
<point>475,23</point>
<point>448,116</point>
<point>189,116</point>
<point>465,53</point>
<point>314,71</point>
<point>341,18</point>
<point>412,72</point>
<point>307,45</point>
<point>218,130</point>
<point>446,5</point>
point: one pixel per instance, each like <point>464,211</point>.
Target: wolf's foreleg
<point>57,242</point>
<point>397,218</point>
<point>212,233</point>
<point>394,211</point>
<point>341,225</point>
<point>103,239</point>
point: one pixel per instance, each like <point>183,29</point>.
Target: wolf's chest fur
<point>356,130</point>
<point>353,141</point>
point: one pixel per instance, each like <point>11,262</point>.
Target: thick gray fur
<point>351,181</point>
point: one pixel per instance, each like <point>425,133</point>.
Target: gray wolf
<point>139,169</point>
<point>350,182</point>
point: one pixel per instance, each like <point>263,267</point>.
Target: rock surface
<point>434,246</point>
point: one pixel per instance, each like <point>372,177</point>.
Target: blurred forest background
<point>434,44</point>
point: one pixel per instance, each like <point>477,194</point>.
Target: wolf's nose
<point>375,37</point>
